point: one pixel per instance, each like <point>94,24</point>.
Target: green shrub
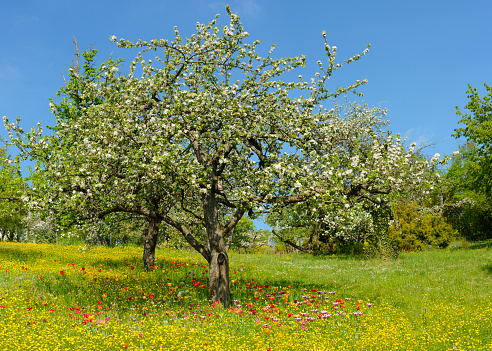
<point>280,247</point>
<point>416,230</point>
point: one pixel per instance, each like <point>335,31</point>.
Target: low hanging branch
<point>287,241</point>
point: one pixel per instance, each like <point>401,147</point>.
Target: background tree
<point>13,189</point>
<point>246,237</point>
<point>466,191</point>
<point>478,134</point>
<point>462,199</point>
<point>372,170</point>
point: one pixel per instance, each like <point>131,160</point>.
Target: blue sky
<point>423,53</point>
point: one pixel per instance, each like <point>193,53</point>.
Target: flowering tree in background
<point>202,134</point>
<point>370,169</point>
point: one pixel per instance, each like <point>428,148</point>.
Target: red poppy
<point>61,272</point>
<point>132,267</point>
<point>151,296</point>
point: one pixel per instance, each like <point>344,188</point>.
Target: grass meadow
<point>98,298</point>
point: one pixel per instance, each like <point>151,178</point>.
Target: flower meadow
<point>98,298</point>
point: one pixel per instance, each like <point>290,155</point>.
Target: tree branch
<point>287,241</point>
<point>189,237</point>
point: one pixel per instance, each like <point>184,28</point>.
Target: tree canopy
<point>478,134</point>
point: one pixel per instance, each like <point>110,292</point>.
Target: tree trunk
<point>150,242</point>
<point>313,239</point>
<point>216,251</point>
<point>358,242</point>
<point>218,274</point>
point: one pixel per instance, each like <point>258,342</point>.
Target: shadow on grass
<point>481,245</point>
<point>488,268</point>
<point>326,256</point>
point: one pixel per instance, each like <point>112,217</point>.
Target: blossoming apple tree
<point>196,137</point>
<point>372,168</point>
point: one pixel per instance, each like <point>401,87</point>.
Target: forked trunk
<point>150,242</point>
<point>218,287</point>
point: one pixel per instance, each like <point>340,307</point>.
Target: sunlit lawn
<point>64,297</point>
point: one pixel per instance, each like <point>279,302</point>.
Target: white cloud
<point>249,7</point>
<point>420,136</point>
<point>240,7</point>
<point>383,103</point>
<point>217,6</point>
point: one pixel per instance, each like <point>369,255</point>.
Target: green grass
<point>439,274</point>
<point>439,299</point>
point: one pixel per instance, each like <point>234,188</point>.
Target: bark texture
<point>218,274</point>
<point>150,242</point>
